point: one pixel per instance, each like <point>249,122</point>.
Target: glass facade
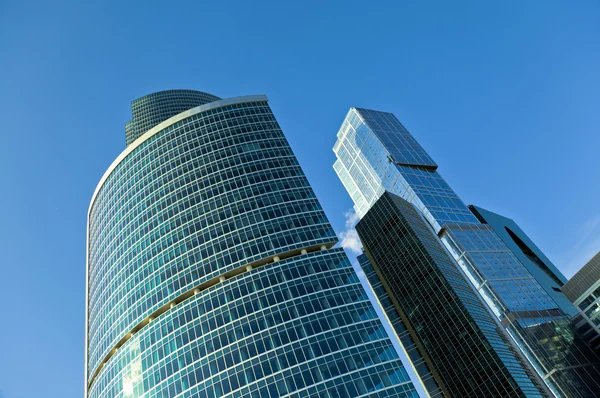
<point>539,266</point>
<point>584,281</point>
<point>583,289</point>
<point>527,312</point>
<point>372,157</point>
<point>211,270</point>
<point>152,109</point>
<point>402,334</point>
<point>470,354</point>
<point>367,168</point>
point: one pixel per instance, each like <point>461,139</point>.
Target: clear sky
<point>505,96</point>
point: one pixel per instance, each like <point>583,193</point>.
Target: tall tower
<point>210,267</point>
<point>583,289</point>
<point>536,262</point>
<point>386,172</point>
<point>468,354</point>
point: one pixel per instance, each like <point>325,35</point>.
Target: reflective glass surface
<point>468,351</point>
<point>152,109</point>
<point>584,290</point>
<point>408,345</point>
<point>176,307</point>
<point>374,155</point>
<point>529,314</point>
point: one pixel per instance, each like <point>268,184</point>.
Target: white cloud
<point>351,219</point>
<point>349,237</point>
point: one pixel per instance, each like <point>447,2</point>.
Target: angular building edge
<point>419,237</point>
<point>369,144</point>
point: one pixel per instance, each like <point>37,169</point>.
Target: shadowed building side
<point>375,153</point>
<point>468,353</point>
<point>402,334</point>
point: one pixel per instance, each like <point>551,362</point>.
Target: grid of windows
<point>408,344</point>
<point>376,153</point>
<point>528,254</point>
<point>583,280</point>
<point>403,147</point>
<point>587,304</point>
<point>526,310</point>
<point>206,195</point>
<point>583,289</point>
<point>152,109</point>
<point>486,259</point>
<point>462,341</point>
<point>273,319</point>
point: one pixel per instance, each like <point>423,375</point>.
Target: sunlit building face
<point>211,267</point>
<point>386,171</point>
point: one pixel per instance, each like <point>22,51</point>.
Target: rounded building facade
<point>211,272</point>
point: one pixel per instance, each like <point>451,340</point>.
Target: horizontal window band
<point>199,289</point>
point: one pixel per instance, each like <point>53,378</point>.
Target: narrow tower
<point>386,171</point>
<point>210,267</point>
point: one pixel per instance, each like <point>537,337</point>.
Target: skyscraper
<point>375,154</point>
<point>536,262</point>
<point>583,289</point>
<point>466,350</point>
<point>210,267</point>
<point>399,328</point>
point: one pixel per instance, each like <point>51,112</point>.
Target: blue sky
<point>503,95</point>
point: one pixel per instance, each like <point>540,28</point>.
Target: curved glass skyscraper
<point>210,267</point>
